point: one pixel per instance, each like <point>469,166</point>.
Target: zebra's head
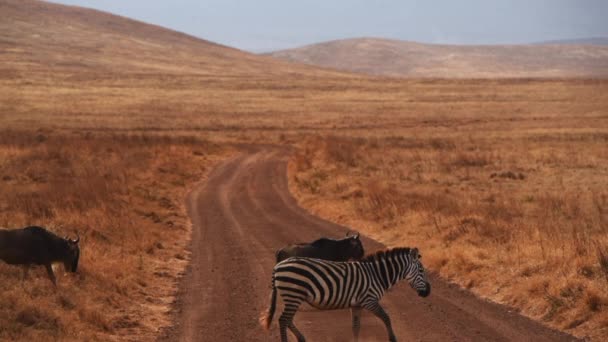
<point>416,274</point>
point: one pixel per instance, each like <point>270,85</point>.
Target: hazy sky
<point>265,25</point>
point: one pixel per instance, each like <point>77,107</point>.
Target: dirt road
<point>244,213</point>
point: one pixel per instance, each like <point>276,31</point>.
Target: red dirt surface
<point>244,213</point>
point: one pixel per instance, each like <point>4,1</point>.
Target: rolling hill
<point>47,37</point>
<point>401,58</point>
<point>579,41</point>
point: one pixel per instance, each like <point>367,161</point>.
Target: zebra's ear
<point>414,253</point>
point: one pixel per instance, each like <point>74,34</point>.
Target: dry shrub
<point>342,150</point>
<point>469,159</point>
<point>36,318</point>
<point>381,200</point>
<point>96,318</point>
<point>413,143</point>
<point>595,301</point>
<point>602,258</point>
<point>385,201</point>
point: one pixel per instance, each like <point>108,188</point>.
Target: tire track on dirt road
<point>244,213</point>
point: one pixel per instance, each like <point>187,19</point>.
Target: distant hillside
<point>402,58</point>
<point>581,41</point>
<point>38,36</point>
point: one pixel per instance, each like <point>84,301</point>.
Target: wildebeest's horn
<point>77,238</point>
<point>355,236</point>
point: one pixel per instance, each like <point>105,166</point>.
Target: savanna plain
<point>501,183</point>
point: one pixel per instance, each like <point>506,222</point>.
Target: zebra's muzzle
<point>426,291</point>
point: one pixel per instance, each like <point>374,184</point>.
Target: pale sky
<point>266,25</point>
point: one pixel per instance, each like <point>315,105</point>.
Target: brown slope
<point>401,58</point>
<point>45,37</point>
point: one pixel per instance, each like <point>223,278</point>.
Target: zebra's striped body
<point>330,285</point>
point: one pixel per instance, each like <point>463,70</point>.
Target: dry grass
<point>124,195</point>
<point>512,207</point>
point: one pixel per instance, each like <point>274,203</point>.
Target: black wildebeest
<point>37,246</point>
<point>344,249</point>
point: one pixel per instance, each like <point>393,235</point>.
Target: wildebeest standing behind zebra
<point>37,246</point>
<point>330,285</point>
<point>344,249</point>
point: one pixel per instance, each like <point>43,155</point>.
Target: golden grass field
<point>503,185</point>
<point>106,123</point>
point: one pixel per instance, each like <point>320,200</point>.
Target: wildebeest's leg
<point>286,319</point>
<point>379,312</point>
<point>49,270</point>
<point>26,269</point>
<point>356,313</point>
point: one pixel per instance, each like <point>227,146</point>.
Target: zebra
<point>357,285</point>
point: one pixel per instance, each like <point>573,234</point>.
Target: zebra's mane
<point>382,254</point>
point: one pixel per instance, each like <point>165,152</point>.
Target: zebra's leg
<point>379,312</point>
<point>296,332</point>
<point>356,314</point>
<point>286,319</point>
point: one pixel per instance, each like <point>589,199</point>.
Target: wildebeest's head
<point>355,246</point>
<point>72,254</point>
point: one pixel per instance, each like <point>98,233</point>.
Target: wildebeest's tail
<point>266,316</point>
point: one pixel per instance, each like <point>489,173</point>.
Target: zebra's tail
<point>266,316</point>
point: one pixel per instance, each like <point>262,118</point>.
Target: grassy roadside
<point>514,209</point>
<point>124,194</point>
<point>510,233</point>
